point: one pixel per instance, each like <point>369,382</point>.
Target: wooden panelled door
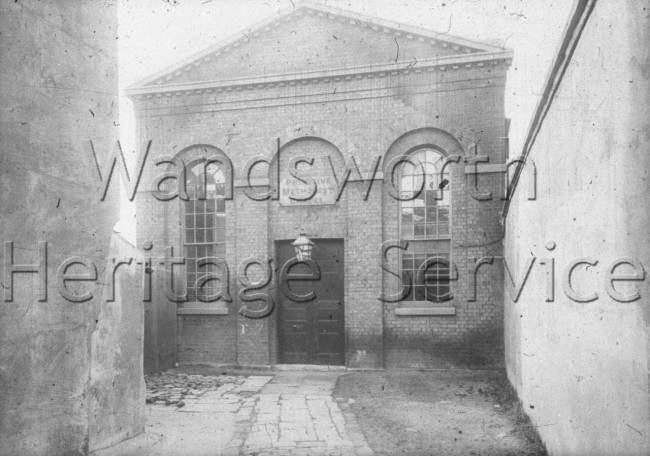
<point>313,332</point>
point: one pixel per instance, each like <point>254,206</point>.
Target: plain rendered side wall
<point>116,388</point>
<point>70,373</point>
<point>581,369</point>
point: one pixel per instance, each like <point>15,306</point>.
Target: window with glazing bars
<point>204,227</point>
<point>425,225</point>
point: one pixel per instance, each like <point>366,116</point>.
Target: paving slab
<point>294,414</point>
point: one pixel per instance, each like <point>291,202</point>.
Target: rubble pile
<point>171,388</point>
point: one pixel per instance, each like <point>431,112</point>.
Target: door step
<point>308,367</point>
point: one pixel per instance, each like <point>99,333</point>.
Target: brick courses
<point>363,116</point>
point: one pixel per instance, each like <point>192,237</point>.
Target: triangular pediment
<point>314,38</point>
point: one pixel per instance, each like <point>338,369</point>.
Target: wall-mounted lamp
<point>303,246</point>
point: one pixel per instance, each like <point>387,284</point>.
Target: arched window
<point>425,224</point>
<point>205,225</point>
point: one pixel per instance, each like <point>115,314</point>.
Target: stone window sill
<point>202,311</point>
<point>425,311</point>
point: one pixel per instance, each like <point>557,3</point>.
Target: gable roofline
<point>404,28</point>
<point>462,45</point>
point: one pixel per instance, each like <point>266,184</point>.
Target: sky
<point>154,34</point>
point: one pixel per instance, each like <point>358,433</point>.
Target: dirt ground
<point>439,413</point>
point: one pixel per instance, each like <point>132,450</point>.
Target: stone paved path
<point>289,413</point>
<point>294,414</point>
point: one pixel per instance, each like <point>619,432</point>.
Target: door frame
<point>278,301</point>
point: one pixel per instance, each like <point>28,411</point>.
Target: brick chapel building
<point>281,112</point>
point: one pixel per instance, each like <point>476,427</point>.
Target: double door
<point>313,332</point>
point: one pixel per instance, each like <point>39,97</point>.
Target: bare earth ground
<point>438,413</point>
